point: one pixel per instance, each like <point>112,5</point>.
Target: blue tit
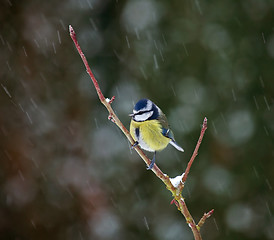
<point>149,128</point>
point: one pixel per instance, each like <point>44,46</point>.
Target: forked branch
<point>175,189</point>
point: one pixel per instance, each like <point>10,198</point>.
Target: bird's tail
<point>174,144</point>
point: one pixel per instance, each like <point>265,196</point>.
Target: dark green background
<point>66,172</point>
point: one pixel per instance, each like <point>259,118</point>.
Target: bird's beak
<point>131,115</point>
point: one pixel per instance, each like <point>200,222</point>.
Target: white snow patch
<point>176,181</point>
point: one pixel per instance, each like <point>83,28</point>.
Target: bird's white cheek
<point>143,116</point>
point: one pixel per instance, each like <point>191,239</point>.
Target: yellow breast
<point>150,135</point>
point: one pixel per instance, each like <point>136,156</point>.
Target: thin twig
<point>204,217</point>
<point>194,154</point>
<point>95,83</point>
<point>176,191</point>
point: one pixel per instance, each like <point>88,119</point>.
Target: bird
<point>150,130</point>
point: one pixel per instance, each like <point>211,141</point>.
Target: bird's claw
<point>134,145</point>
<point>151,165</point>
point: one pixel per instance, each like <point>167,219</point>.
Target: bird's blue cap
<point>141,104</point>
<point>146,105</point>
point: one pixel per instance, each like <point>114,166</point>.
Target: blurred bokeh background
<point>67,172</point>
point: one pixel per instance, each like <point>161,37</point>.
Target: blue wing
<point>168,133</point>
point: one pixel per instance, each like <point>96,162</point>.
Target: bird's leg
<point>134,145</point>
<point>152,162</point>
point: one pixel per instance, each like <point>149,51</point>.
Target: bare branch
<point>189,219</point>
<point>204,217</point>
<point>175,190</point>
<point>194,154</point>
<point>95,83</point>
<point>112,116</point>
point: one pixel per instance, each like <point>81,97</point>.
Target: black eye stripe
<point>141,112</point>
